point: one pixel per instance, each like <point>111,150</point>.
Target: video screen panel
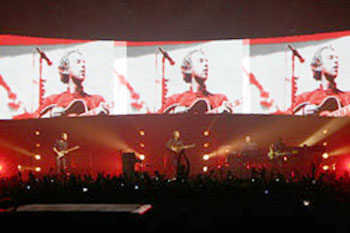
<point>181,77</point>
<point>36,79</point>
<point>306,77</point>
<point>300,75</point>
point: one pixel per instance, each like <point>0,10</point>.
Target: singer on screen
<point>74,101</point>
<point>197,99</point>
<point>327,100</point>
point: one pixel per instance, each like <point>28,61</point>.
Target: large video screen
<point>300,75</point>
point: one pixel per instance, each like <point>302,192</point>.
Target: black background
<point>156,20</point>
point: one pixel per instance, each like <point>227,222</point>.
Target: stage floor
<point>116,208</point>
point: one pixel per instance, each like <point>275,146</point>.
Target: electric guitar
<point>276,154</point>
<point>62,153</point>
<point>77,107</point>
<point>178,149</point>
<point>200,106</point>
<point>330,106</point>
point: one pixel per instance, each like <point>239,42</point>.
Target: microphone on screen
<point>166,56</point>
<point>43,56</point>
<point>296,53</point>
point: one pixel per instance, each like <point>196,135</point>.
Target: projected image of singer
<point>327,100</point>
<point>74,101</point>
<point>197,99</point>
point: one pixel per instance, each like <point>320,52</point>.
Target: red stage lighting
<point>0,168</point>
<point>142,132</point>
<point>205,169</point>
<point>142,157</point>
<point>206,133</point>
<point>325,155</point>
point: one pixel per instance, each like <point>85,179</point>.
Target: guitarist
<point>60,146</point>
<point>173,160</point>
<point>195,73</point>
<point>324,66</point>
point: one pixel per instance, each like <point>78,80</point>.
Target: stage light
<point>85,190</point>
<point>142,144</point>
<point>37,157</point>
<point>266,191</point>
<point>142,157</point>
<point>206,145</point>
<point>325,155</point>
<point>325,131</point>
<point>37,145</point>
<point>37,132</point>
<point>19,167</point>
<point>136,187</point>
<point>37,169</point>
<point>0,167</point>
<point>333,166</point>
<point>206,133</point>
<point>306,202</point>
<point>142,133</point>
<point>285,158</point>
<point>28,187</point>
<point>324,143</point>
<point>205,157</point>
<point>205,169</point>
<point>325,167</point>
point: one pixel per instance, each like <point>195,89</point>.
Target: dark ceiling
<point>155,20</point>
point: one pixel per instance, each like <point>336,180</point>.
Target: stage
<point>103,140</point>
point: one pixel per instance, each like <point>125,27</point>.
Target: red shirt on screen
<point>320,96</point>
<point>66,103</point>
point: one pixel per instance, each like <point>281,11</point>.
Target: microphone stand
<point>164,82</point>
<point>294,78</point>
<point>293,82</point>
<point>41,81</point>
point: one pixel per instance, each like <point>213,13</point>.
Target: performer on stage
<point>249,151</point>
<point>327,100</point>
<point>197,98</point>
<point>173,159</point>
<point>60,147</point>
<point>248,147</point>
<point>74,101</point>
<point>61,151</point>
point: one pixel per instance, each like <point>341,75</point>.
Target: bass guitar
<point>178,149</point>
<point>62,153</point>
